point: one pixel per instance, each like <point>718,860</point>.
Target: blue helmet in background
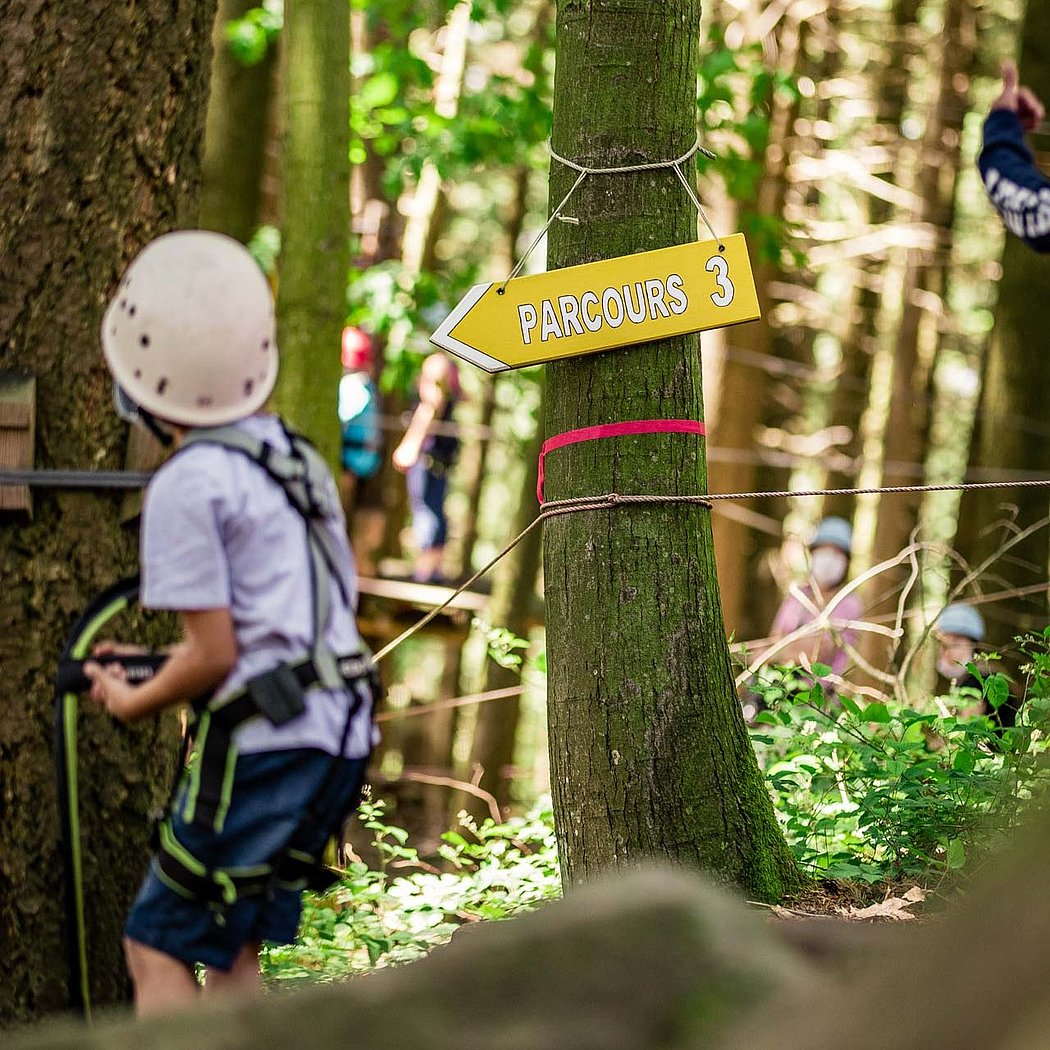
<point>834,532</point>
<point>961,619</point>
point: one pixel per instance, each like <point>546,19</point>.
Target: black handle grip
<point>139,667</point>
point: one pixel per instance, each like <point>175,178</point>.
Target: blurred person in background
<point>359,409</point>
<point>829,555</point>
<point>960,633</point>
<point>425,456</point>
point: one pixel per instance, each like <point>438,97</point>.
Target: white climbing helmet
<point>189,335</point>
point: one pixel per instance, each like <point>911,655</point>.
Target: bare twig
<point>459,785</point>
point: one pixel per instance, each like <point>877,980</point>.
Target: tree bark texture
<point>315,255</point>
<point>235,133</point>
<point>649,751</point>
<point>99,152</point>
<point>1012,433</point>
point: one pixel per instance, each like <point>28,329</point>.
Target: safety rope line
<point>75,479</point>
<point>614,500</point>
<point>551,509</point>
<point>621,169</point>
<point>884,490</point>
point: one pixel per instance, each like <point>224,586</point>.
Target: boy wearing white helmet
<point>829,552</point>
<point>243,536</point>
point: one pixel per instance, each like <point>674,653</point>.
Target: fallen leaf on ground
<point>894,909</point>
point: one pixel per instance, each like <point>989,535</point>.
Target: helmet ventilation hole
<point>162,386</point>
<point>144,340</point>
<point>249,386</point>
<point>131,311</point>
<point>266,344</point>
<point>138,373</point>
<point>204,402</point>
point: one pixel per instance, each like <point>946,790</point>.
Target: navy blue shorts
<point>426,498</point>
<point>270,792</point>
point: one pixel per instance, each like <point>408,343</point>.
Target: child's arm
<point>195,667</point>
<point>1015,185</point>
<point>431,404</point>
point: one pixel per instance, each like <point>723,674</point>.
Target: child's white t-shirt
<point>218,532</point>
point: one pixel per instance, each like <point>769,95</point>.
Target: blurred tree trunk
<point>426,743</point>
<point>1011,433</point>
<point>472,476</point>
<point>99,152</point>
<point>649,753</point>
<point>513,595</point>
<point>419,240</point>
<point>470,479</point>
<point>887,51</point>
<point>315,254</point>
<point>744,390</point>
<point>916,335</point>
<point>235,133</point>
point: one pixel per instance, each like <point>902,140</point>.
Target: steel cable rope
<point>613,500</point>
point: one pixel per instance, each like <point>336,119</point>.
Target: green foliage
<point>393,111</point>
<point>878,791</point>
<point>250,37</point>
<point>403,908</point>
<point>735,99</point>
<point>265,248</point>
<point>505,647</point>
<point>382,297</point>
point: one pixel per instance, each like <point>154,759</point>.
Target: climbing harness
<point>278,695</point>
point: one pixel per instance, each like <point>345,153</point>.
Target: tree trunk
<point>1011,433</point>
<point>315,254</point>
<point>470,478</point>
<point>915,335</point>
<point>235,133</point>
<point>99,152</point>
<point>513,593</point>
<point>649,751</point>
<point>744,389</point>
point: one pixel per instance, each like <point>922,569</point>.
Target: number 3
<point>720,268</point>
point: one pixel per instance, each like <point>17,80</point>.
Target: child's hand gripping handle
<point>138,668</point>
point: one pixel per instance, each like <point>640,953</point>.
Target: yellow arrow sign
<point>602,305</point>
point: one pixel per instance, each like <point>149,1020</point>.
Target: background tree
<point>315,252</point>
<point>99,152</point>
<point>1011,434</point>
<point>649,753</point>
<point>235,133</point>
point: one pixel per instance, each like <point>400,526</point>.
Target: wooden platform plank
<point>427,595</point>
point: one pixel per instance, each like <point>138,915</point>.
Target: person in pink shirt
<point>829,551</point>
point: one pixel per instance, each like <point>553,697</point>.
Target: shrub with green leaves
<point>878,791</point>
<point>403,908</point>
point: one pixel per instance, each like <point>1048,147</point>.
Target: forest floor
<point>900,901</point>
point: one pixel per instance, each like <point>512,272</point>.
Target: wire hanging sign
<point>603,305</point>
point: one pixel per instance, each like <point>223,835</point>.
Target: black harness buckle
<point>278,694</point>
